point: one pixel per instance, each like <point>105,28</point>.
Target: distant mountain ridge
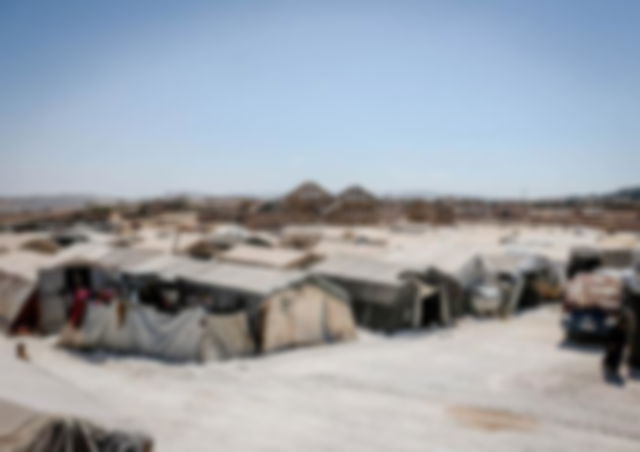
<point>44,203</point>
<point>627,194</point>
<point>37,203</point>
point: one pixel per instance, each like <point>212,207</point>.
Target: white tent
<point>313,311</point>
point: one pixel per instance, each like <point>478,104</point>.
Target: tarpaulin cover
<point>599,289</point>
<point>191,335</point>
<point>137,329</point>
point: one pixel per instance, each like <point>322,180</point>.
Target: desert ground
<point>495,385</point>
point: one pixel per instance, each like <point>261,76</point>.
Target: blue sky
<point>495,98</point>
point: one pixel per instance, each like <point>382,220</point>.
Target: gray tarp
<point>191,335</point>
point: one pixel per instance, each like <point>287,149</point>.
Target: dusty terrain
<point>487,385</point>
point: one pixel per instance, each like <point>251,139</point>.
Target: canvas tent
<point>226,287</point>
<point>382,296</point>
<point>507,282</point>
<point>155,281</point>
<point>450,296</point>
<point>94,266</point>
<point>246,302</point>
<point>312,311</point>
<point>19,302</point>
<point>79,265</point>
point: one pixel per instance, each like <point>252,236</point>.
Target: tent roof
<point>182,267</point>
<point>103,255</point>
<point>11,241</point>
<point>510,262</point>
<point>244,278</point>
<point>268,257</point>
<point>82,252</point>
<point>152,265</point>
<point>24,264</point>
<point>361,269</point>
<point>123,258</point>
<point>169,267</point>
<point>619,241</point>
<point>328,286</point>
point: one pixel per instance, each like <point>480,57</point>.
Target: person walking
<point>617,342</point>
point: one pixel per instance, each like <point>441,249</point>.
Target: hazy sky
<point>476,97</point>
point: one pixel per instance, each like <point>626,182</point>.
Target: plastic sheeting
<point>191,335</point>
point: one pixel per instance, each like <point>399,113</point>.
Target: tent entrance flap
<point>428,307</point>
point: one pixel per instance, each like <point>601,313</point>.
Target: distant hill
<point>35,204</point>
<point>47,203</point>
<point>626,194</point>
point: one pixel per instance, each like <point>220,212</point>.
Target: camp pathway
<point>486,385</point>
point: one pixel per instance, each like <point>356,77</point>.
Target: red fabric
<point>79,307</point>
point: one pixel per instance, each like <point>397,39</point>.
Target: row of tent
<point>390,296</point>
<point>172,307</point>
<point>370,283</point>
<point>308,312</point>
<point>179,308</point>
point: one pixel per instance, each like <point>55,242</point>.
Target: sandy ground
<point>486,385</point>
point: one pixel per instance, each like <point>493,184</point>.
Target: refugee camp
<point>356,226</point>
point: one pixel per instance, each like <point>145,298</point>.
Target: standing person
<point>616,344</point>
<point>633,359</point>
